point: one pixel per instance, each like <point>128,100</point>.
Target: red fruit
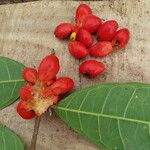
<point>48,68</point>
<point>63,30</point>
<point>75,30</point>
<point>92,68</point>
<point>58,100</point>
<point>107,30</point>
<point>77,49</point>
<point>82,10</point>
<point>84,37</point>
<point>51,81</point>
<point>30,75</point>
<point>91,23</point>
<point>48,93</point>
<point>121,38</point>
<point>24,111</point>
<point>25,93</point>
<point>38,97</point>
<point>62,85</point>
<point>101,49</point>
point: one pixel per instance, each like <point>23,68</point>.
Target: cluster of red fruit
<point>86,24</point>
<point>43,89</point>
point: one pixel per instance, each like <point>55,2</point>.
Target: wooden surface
<point>26,35</point>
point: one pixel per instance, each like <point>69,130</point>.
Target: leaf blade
<point>9,140</point>
<point>10,81</point>
<point>108,107</point>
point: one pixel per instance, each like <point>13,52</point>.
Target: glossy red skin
<point>63,30</point>
<point>48,68</point>
<point>48,93</point>
<point>85,37</point>
<point>26,93</point>
<point>75,28</point>
<point>30,75</point>
<point>62,85</point>
<point>46,88</point>
<point>101,49</point>
<point>92,68</point>
<point>51,81</point>
<point>91,23</point>
<point>122,36</point>
<point>107,30</point>
<point>77,49</point>
<point>24,111</point>
<point>82,10</point>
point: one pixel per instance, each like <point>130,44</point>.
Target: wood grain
<point>26,35</point>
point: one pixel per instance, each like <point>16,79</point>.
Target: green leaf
<point>9,140</point>
<point>10,81</point>
<point>113,116</point>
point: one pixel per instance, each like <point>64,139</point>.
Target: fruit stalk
<point>35,133</point>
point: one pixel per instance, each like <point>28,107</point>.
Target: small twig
<point>35,133</point>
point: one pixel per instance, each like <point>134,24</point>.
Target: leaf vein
<point>103,115</point>
<point>149,129</point>
<point>4,141</point>
<point>6,100</point>
<point>11,81</point>
<point>13,90</point>
<point>99,133</point>
<point>69,102</point>
<point>126,108</point>
<point>107,98</point>
<point>84,99</point>
<point>121,137</point>
<point>7,69</point>
<point>66,116</point>
<point>79,117</point>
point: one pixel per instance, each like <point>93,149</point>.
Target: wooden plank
<point>26,35</point>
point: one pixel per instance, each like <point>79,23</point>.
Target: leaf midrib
<point>103,115</point>
<point>10,81</point>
